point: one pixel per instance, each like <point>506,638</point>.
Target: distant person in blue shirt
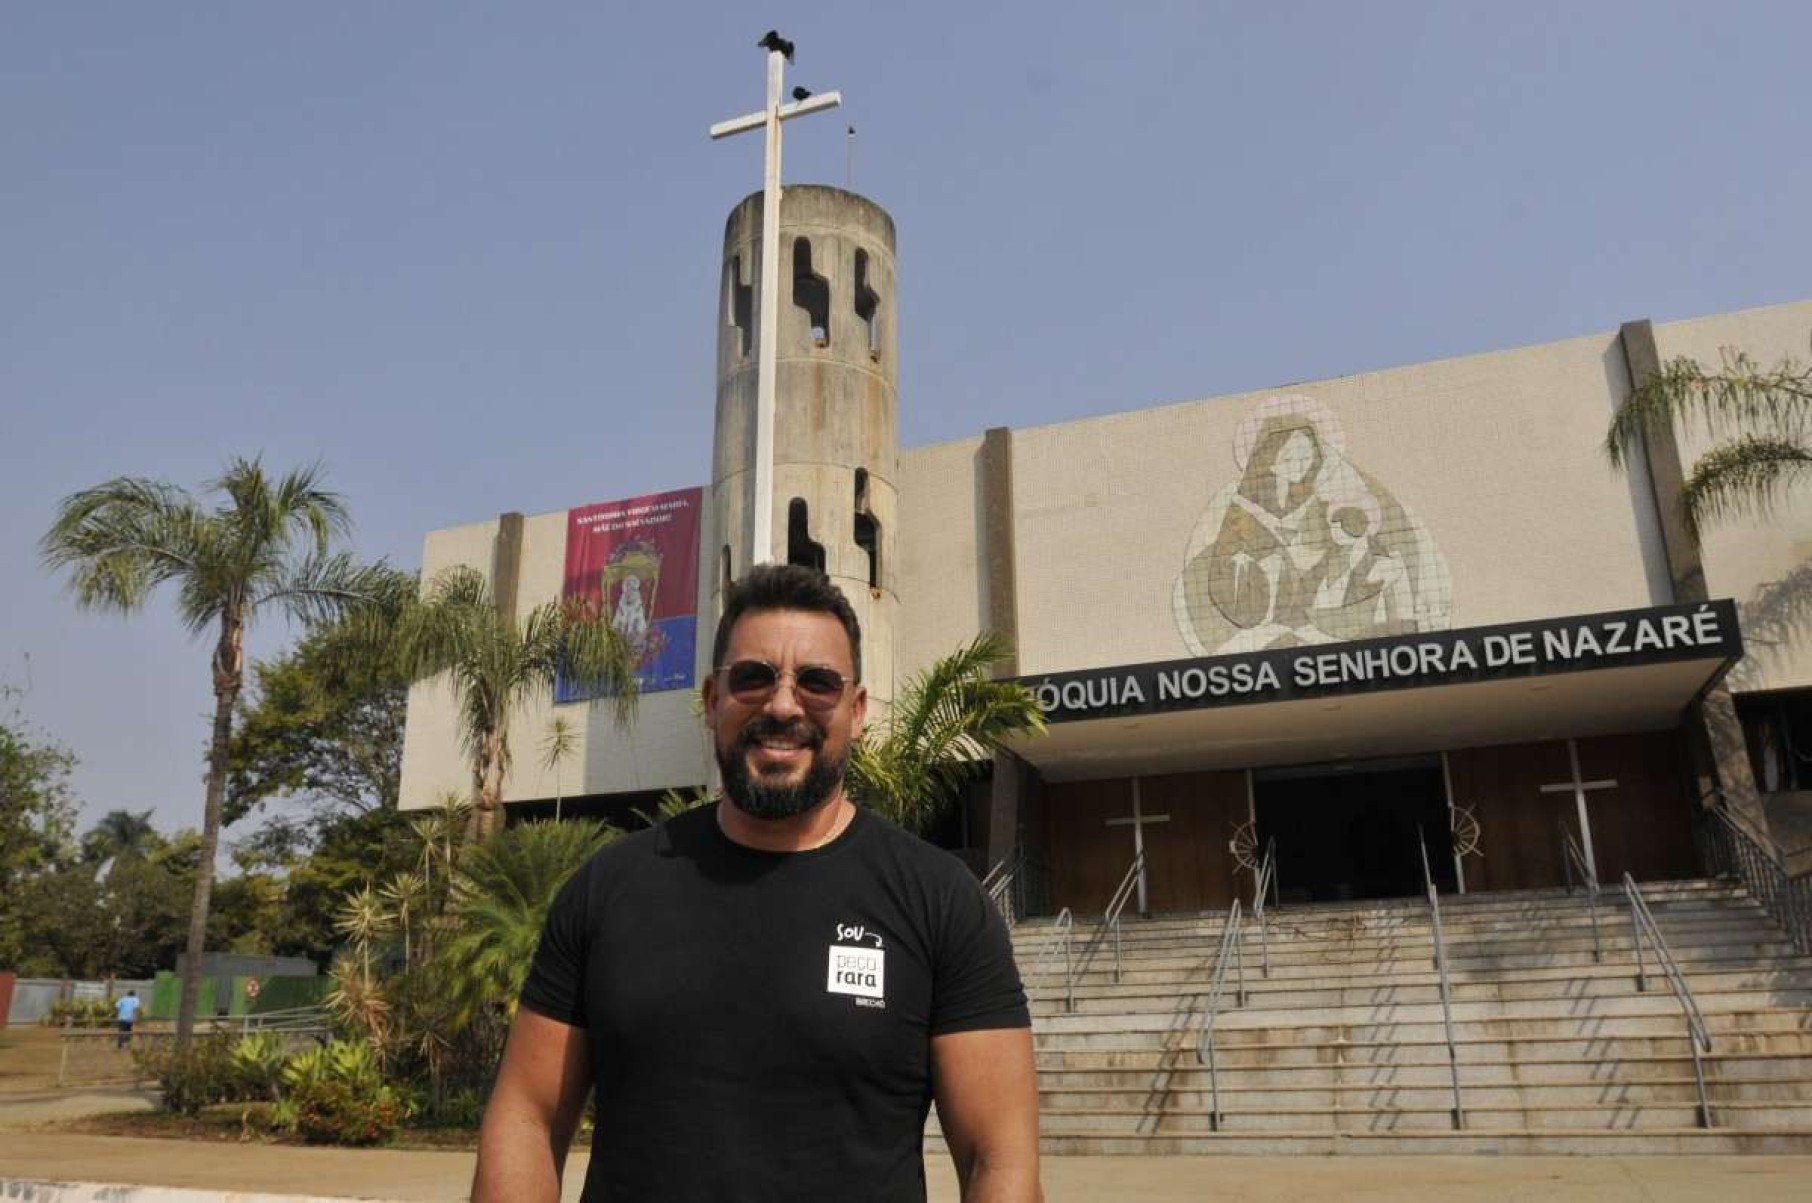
<point>126,1009</point>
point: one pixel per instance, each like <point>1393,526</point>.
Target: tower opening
<point>868,303</point>
<point>739,306</point>
<point>811,292</point>
<point>800,549</point>
<point>868,528</point>
<point>724,579</point>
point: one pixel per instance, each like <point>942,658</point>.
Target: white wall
<point>1754,557</point>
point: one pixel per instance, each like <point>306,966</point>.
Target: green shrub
<point>193,1075</point>
<point>258,1061</point>
<point>78,1013</point>
<point>337,1095</point>
<point>462,1108</point>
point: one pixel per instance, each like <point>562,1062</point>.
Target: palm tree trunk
<point>487,776</point>
<point>228,676</point>
<point>490,801</point>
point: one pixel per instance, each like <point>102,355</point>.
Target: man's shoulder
<point>686,831</point>
<point>915,852</point>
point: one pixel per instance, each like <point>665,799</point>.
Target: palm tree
<point>496,665</point>
<point>560,742</point>
<point>119,833</point>
<point>265,547</point>
<point>914,764</point>
<point>1759,415</point>
<point>505,888</point>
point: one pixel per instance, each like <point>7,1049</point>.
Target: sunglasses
<point>753,682</point>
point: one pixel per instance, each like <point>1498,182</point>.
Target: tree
<point>914,764</point>
<point>119,833</point>
<point>1759,417</point>
<point>37,817</point>
<point>145,896</point>
<point>504,890</point>
<point>348,851</point>
<point>495,664</point>
<point>557,746</point>
<point>115,914</point>
<point>266,547</point>
<point>322,722</point>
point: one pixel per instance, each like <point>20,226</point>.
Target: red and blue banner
<point>637,561</point>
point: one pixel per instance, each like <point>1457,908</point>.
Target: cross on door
<point>1137,822</point>
<point>1578,788</point>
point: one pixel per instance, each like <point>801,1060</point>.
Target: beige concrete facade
<point>664,748</point>
<point>1454,494</point>
<point>1755,559</point>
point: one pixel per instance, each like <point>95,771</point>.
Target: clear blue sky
<point>467,254</point>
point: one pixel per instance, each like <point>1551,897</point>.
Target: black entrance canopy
<point>1629,670</point>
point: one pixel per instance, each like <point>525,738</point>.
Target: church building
<point>1353,617</point>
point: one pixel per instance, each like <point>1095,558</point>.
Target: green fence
<point>240,995</point>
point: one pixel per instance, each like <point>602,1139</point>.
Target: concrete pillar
<point>1713,726</point>
<point>995,468</point>
<point>1003,805</point>
<point>506,563</point>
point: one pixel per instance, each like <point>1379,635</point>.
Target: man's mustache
<point>799,731</point>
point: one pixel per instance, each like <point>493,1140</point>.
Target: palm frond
<point>1746,473</point>
<point>323,587</point>
<point>505,889</point>
<point>560,741</point>
<point>123,538</point>
<point>913,766</point>
<point>672,803</point>
<point>272,513</point>
<point>1741,395</point>
<point>595,659</point>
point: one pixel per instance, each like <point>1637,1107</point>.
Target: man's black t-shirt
<point>760,1022</point>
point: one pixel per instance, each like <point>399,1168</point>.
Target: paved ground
<point>31,1151</point>
<point>393,1175</point>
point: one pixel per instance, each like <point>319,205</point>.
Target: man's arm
<point>533,1112</point>
<point>987,1105</point>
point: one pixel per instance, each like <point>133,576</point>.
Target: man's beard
<point>779,799</point>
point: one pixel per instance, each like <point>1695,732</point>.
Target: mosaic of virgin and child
<point>1304,547</point>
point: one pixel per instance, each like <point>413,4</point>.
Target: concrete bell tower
<point>836,426</point>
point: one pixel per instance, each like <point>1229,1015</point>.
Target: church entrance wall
<point>1637,797</point>
<point>1185,821</point>
<point>1351,832</point>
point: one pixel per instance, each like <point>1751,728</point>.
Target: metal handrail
<point>1061,930</point>
<point>1111,920</point>
<point>1264,883</point>
<point>1642,923</point>
<point>1572,859</point>
<point>998,884</point>
<point>1733,852</point>
<point>1211,1007</point>
<point>1440,950</point>
<point>305,1019</point>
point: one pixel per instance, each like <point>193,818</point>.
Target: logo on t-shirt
<point>858,965</point>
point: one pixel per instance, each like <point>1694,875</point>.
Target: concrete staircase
<point>1341,1048</point>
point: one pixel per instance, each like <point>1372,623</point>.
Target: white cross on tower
<point>1137,821</point>
<point>780,52</point>
<point>1578,789</point>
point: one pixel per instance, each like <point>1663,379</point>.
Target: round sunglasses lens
<point>820,684</point>
<point>750,679</point>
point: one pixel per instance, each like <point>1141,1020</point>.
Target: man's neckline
<point>840,834</point>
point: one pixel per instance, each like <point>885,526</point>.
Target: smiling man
<point>767,994</point>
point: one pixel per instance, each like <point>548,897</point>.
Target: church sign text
<point>1699,631</point>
